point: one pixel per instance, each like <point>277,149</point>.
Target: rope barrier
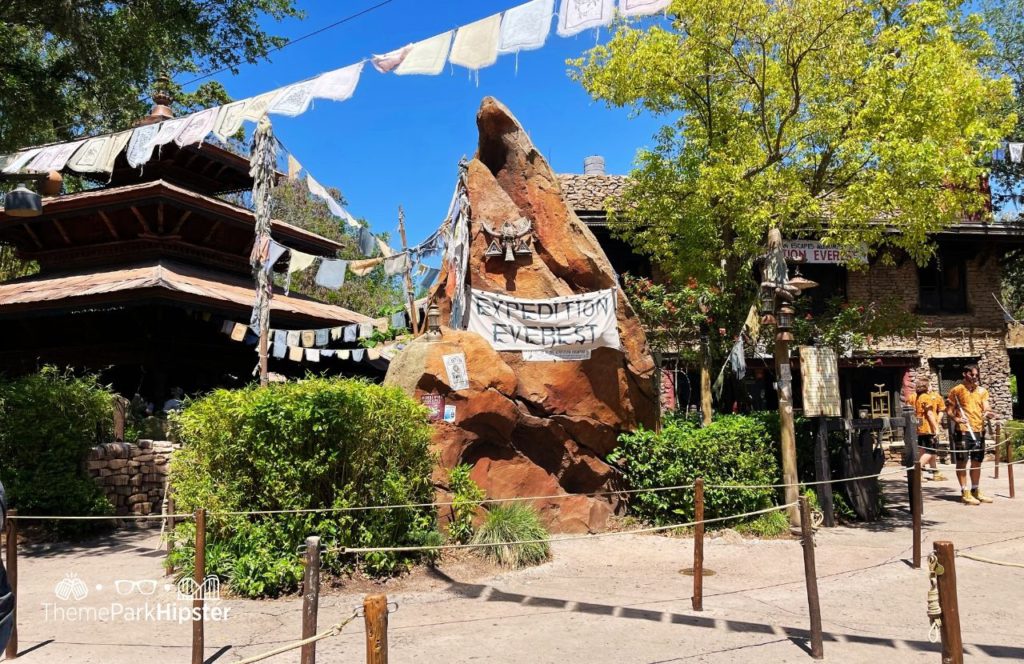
<point>126,517</point>
<point>902,469</point>
<point>990,561</point>
<point>549,540</point>
<point>333,631</point>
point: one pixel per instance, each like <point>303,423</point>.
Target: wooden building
<point>137,275</point>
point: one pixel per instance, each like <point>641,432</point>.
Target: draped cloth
<point>256,107</point>
<point>575,16</point>
<point>198,126</point>
<point>642,7</point>
<point>476,44</point>
<point>339,84</point>
<point>169,130</point>
<point>331,273</point>
<point>526,27</point>
<point>426,57</point>
<point>20,159</point>
<point>292,100</point>
<point>140,145</point>
<point>229,120</point>
<point>54,157</point>
<point>99,154</point>
<point>390,60</point>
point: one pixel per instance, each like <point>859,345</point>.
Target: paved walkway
<point>618,600</point>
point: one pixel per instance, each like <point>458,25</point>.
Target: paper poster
<point>819,371</point>
<point>449,414</point>
<point>557,355</point>
<point>435,406</point>
<point>458,376</point>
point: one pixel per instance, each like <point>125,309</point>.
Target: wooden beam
<point>141,218</point>
<point>160,217</point>
<point>110,225</point>
<point>209,236</point>
<point>62,231</point>
<point>181,221</point>
<point>32,234</point>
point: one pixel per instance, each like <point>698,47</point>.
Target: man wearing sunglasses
<point>968,406</point>
<point>6,594</point>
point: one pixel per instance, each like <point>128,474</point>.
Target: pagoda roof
<point>205,167</point>
<point>148,219</point>
<point>167,281</point>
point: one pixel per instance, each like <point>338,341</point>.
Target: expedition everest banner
<point>575,321</point>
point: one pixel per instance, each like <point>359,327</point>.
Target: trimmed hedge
<point>49,421</point>
<point>317,443</point>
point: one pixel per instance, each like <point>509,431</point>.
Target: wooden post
<point>198,636</point>
<point>168,565</point>
<point>916,507</point>
<point>811,577</point>
<point>823,473</point>
<point>310,598</point>
<point>375,615</point>
<point>999,440</point>
<point>1009,465</point>
<point>698,546</point>
<point>12,577</point>
<point>952,645</point>
<point>414,322</point>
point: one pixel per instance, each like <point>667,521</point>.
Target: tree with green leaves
<point>818,117</point>
<point>67,68</point>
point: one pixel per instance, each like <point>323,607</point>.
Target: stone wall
<point>132,475</point>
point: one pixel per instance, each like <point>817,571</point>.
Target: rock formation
<point>533,428</point>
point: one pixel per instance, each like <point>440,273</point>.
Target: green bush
<point>48,423</point>
<point>514,522</point>
<point>1014,431</point>
<point>466,496</point>
<point>734,449</point>
<point>766,526</point>
<point>317,443</point>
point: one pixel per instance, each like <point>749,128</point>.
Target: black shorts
<point>927,443</point>
<point>970,447</point>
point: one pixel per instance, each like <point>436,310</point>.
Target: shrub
<point>735,449</point>
<point>514,522</point>
<point>318,443</point>
<point>48,423</point>
<point>466,496</point>
<point>1014,430</point>
<point>769,525</point>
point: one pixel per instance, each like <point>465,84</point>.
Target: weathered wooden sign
<point>819,371</point>
<point>575,321</point>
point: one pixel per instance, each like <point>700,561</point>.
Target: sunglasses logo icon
<point>128,586</point>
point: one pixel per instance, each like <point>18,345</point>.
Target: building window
<point>831,281</point>
<point>951,371</point>
<point>942,286</point>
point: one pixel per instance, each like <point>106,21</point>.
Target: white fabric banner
<point>586,320</point>
<point>292,100</point>
<point>526,27</point>
<point>337,85</point>
<point>427,57</point>
<point>140,145</point>
<point>54,157</point>
<point>229,119</point>
<point>642,7</point>
<point>575,16</point>
<point>476,44</point>
<point>198,126</point>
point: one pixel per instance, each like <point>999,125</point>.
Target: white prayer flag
<point>198,126</point>
<point>476,44</point>
<point>229,119</point>
<point>294,167</point>
<point>426,57</point>
<point>338,84</point>
<point>169,130</point>
<point>256,107</point>
<point>21,159</point>
<point>526,27</point>
<point>587,320</point>
<point>99,154</point>
<point>293,99</point>
<point>575,16</point>
<point>140,145</point>
<point>387,62</point>
<point>1016,152</point>
<point>642,7</point>
<point>54,157</point>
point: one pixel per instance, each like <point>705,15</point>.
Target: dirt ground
<point>612,600</point>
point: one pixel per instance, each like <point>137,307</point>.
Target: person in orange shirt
<point>968,406</point>
<point>928,406</point>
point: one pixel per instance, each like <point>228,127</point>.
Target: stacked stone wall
<point>133,476</point>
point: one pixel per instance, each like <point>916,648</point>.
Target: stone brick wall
<point>132,475</point>
<point>591,192</point>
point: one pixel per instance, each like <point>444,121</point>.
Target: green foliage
<point>48,423</point>
<point>1005,22</point>
<point>317,443</point>
<point>766,526</point>
<point>1014,431</point>
<point>734,449</point>
<point>514,522</point>
<point>66,66</point>
<point>850,325</point>
<point>466,497</point>
<point>819,117</point>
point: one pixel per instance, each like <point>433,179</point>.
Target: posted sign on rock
<point>575,321</point>
<point>819,370</point>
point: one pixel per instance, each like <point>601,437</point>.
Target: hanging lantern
<point>22,202</point>
<point>785,322</point>
<point>434,322</point>
<point>767,305</point>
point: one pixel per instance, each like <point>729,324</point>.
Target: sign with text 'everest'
<point>814,252</point>
<point>586,320</point>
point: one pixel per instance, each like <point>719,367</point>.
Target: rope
<point>333,631</point>
<point>776,486</point>
<point>126,517</point>
<point>990,561</point>
<point>652,529</point>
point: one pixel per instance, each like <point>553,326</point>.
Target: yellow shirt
<point>924,403</point>
<point>970,403</point>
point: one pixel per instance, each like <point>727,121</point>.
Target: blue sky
<point>398,140</point>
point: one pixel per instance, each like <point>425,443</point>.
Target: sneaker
<point>980,497</point>
<point>967,499</point>
<point>939,477</point>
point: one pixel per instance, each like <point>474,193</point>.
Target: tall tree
<point>813,116</point>
<point>71,67</point>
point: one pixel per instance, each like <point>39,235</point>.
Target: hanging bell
<point>22,202</point>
